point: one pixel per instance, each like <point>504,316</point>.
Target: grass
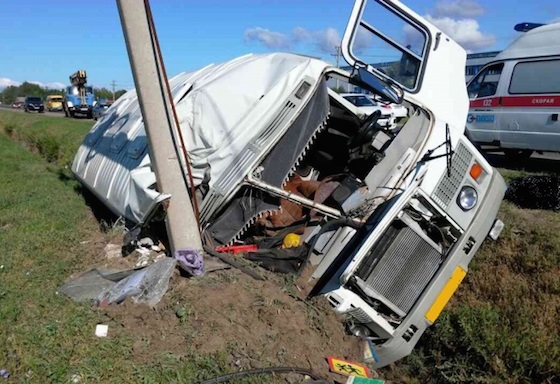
<point>55,138</point>
<point>44,222</point>
<point>502,326</point>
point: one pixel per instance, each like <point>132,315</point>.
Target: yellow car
<point>53,103</point>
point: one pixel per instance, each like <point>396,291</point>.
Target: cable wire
<point>170,95</point>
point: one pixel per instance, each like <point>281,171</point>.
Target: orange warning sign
<point>347,368</point>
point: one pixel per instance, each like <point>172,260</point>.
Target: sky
<point>44,41</point>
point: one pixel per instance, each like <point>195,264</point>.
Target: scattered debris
<point>291,240</point>
<point>369,352</point>
<point>535,192</point>
<point>147,285</point>
<point>158,248</point>
<point>347,368</point>
<point>212,264</point>
<point>90,285</point>
<point>5,374</point>
<point>143,251</point>
<point>363,380</point>
<point>235,249</point>
<point>226,259</point>
<point>191,261</point>
<point>146,242</point>
<point>143,260</point>
<point>280,260</point>
<point>101,330</point>
<point>113,251</point>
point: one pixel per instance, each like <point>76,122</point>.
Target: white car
<point>368,106</point>
<point>399,110</point>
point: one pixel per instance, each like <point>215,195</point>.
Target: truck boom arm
<point>78,78</point>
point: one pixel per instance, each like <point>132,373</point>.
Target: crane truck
<point>79,97</point>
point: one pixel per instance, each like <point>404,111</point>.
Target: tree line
<point>9,94</point>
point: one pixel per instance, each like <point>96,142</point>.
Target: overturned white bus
<point>393,239</point>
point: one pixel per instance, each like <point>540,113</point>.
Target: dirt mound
<point>256,323</point>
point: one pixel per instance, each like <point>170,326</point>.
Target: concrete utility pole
<point>182,225</point>
<point>113,83</point>
<point>337,55</point>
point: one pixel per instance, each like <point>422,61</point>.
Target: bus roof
<point>541,41</point>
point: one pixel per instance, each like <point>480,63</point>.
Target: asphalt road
<point>47,113</point>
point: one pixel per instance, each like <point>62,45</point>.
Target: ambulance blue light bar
<point>524,27</point>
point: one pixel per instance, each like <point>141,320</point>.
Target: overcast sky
<point>45,41</point>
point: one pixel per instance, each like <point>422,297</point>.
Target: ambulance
<point>515,99</point>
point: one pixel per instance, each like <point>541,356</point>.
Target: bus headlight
<point>467,198</point>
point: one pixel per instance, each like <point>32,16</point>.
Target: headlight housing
<point>467,199</point>
<point>70,104</point>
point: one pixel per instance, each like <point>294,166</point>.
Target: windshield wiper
<point>448,151</point>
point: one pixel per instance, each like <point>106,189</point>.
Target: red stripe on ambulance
<point>517,101</point>
<point>485,103</point>
<point>531,101</point>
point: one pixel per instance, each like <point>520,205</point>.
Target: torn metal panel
<point>277,167</point>
<point>222,110</point>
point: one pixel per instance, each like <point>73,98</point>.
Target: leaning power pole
<point>159,123</point>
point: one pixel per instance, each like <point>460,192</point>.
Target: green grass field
<point>44,337</point>
<point>47,232</point>
<point>55,138</point>
<point>502,326</point>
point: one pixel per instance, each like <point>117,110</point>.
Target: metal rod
<point>324,209</point>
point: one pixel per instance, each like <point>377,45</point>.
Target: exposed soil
<point>255,323</point>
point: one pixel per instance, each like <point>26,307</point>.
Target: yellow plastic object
<point>291,240</point>
<point>445,294</point>
<point>348,368</point>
